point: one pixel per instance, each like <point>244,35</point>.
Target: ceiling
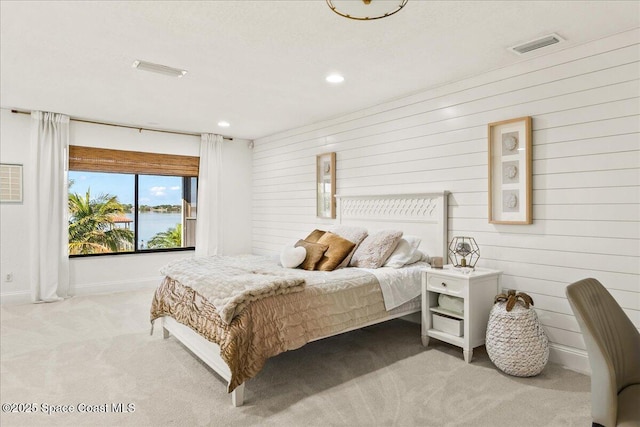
<point>261,65</point>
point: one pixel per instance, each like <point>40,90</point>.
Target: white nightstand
<point>477,290</point>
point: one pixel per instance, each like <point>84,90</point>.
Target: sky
<point>154,190</point>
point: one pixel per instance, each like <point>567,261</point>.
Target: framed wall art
<point>510,191</point>
<point>326,185</point>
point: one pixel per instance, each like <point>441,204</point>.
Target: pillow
<point>402,254</point>
<point>338,250</point>
<point>314,236</point>
<point>314,253</point>
<point>375,249</point>
<point>418,255</point>
<point>351,233</point>
<point>291,256</point>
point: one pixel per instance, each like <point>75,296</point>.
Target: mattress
<point>330,303</point>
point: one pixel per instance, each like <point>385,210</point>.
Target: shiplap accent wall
<point>585,106</point>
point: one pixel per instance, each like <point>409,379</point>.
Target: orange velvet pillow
<point>338,250</point>
<point>315,251</point>
<point>314,236</point>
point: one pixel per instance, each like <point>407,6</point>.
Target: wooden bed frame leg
<point>165,333</point>
<point>237,396</point>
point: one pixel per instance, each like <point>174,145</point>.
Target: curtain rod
<point>228,138</point>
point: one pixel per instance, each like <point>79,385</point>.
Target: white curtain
<point>209,205</point>
<point>48,216</point>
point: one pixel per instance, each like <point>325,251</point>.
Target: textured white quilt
<point>230,283</point>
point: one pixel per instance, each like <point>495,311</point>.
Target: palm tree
<point>92,228</point>
<point>172,238</point>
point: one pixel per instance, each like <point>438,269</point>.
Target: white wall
<point>14,231</point>
<point>584,102</point>
<point>120,272</point>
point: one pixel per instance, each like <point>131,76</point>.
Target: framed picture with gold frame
<point>326,185</point>
<point>510,191</point>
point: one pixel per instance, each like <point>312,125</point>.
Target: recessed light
<point>158,68</point>
<point>334,78</point>
<point>224,124</point>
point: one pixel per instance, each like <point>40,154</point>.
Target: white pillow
<point>291,257</point>
<point>403,253</point>
<point>418,256</point>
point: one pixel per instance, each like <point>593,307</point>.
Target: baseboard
<point>570,358</point>
<point>14,298</point>
<point>24,297</point>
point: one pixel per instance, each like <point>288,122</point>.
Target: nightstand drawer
<point>447,324</point>
<point>446,285</point>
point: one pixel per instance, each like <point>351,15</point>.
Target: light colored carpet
<point>97,350</point>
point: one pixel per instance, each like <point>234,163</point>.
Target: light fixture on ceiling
<point>366,10</point>
<point>157,68</point>
<point>224,124</point>
<point>334,78</point>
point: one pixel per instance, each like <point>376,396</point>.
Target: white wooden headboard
<point>418,214</point>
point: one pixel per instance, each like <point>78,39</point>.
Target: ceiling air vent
<point>538,43</point>
<point>158,68</point>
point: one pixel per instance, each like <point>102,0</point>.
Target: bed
<point>236,335</point>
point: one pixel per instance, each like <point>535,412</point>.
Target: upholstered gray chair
<point>613,346</point>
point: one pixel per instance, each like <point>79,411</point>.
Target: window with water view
<point>121,212</point>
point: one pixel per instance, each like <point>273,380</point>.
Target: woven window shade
<point>118,161</point>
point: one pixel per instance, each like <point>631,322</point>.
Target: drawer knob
<point>444,284</point>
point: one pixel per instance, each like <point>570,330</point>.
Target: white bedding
<point>399,285</point>
<point>231,283</point>
<point>236,284</point>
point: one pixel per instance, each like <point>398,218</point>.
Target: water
<point>152,223</point>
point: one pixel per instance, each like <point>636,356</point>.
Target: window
<point>124,202</point>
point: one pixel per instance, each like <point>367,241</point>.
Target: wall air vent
<point>538,43</point>
<point>157,68</point>
<point>10,183</point>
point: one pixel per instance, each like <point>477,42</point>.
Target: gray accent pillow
<point>375,249</point>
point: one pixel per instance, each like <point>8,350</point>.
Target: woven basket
<point>516,343</point>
